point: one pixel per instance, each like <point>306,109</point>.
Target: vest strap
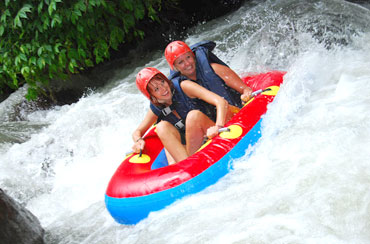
<point>166,111</point>
<point>179,125</point>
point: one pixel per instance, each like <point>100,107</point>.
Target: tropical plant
<point>51,39</point>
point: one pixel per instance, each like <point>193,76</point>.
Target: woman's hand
<point>247,94</point>
<point>213,131</point>
<point>139,145</point>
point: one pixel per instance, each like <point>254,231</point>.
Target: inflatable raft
<point>144,183</point>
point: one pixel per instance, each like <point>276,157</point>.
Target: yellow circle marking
<point>140,160</point>
<point>272,92</point>
<point>235,132</point>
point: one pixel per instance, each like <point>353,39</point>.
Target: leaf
<point>103,3</point>
<point>32,60</point>
<point>82,42</point>
<point>89,63</point>
<point>71,67</point>
<point>23,57</point>
<point>81,52</point>
<point>77,12</point>
<point>23,49</point>
<point>40,50</point>
<point>128,4</point>
<point>81,5</point>
<point>45,24</point>
<point>17,60</point>
<point>52,7</point>
<point>48,48</point>
<point>80,28</point>
<point>4,16</point>
<point>31,93</point>
<point>139,33</point>
<point>17,22</point>
<point>72,53</point>
<point>39,8</point>
<point>152,14</point>
<point>128,21</point>
<point>139,11</point>
<point>15,82</point>
<point>56,47</point>
<point>22,13</point>
<point>92,2</point>
<point>25,71</point>
<point>41,63</point>
<point>74,16</point>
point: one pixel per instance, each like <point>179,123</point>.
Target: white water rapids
<point>306,181</point>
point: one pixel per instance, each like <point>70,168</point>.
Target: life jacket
<point>193,103</point>
<point>181,103</point>
<point>206,76</point>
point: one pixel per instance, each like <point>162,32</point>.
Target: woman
<point>200,65</point>
<point>174,105</point>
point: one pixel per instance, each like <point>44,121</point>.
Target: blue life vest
<point>181,103</point>
<point>206,76</point>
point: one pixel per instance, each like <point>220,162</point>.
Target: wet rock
<point>17,224</point>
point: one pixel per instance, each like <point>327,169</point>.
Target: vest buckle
<point>166,111</point>
<point>179,125</point>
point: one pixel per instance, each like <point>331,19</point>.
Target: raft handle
<point>224,129</point>
<point>255,93</point>
<point>131,152</point>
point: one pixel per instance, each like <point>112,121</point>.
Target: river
<point>307,180</point>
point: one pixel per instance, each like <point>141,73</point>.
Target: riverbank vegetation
<point>51,39</point>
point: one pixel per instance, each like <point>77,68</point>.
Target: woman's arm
<point>149,119</point>
<point>193,90</point>
<point>233,80</point>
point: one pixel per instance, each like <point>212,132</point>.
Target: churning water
<point>306,181</point>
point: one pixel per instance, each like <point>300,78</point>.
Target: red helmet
<point>174,50</point>
<point>143,78</point>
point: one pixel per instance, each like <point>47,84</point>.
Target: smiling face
<point>160,90</point>
<point>185,64</point>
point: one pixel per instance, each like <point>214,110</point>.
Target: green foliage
<point>49,39</point>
